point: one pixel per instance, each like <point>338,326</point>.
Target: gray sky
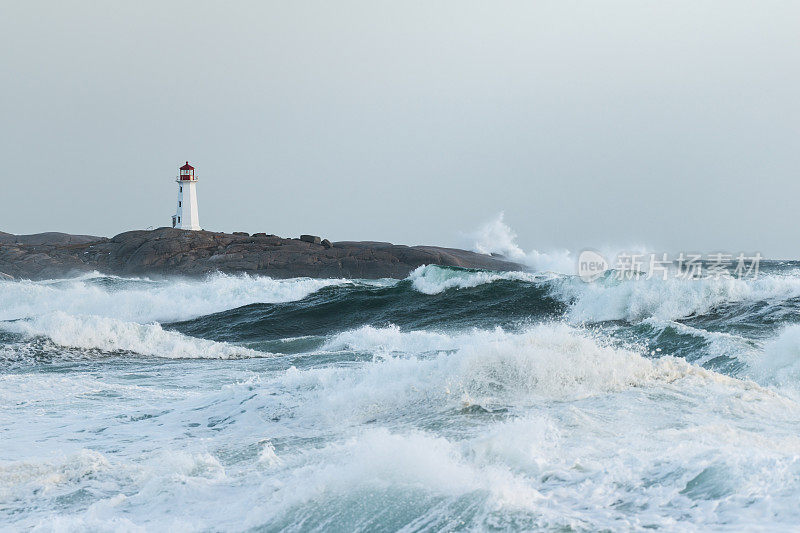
<point>670,124</point>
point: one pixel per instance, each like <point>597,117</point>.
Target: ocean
<point>451,400</point>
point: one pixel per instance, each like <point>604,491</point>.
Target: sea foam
<point>113,335</point>
<point>612,299</point>
<point>490,368</point>
<point>637,300</point>
<point>142,300</point>
<point>431,279</point>
<point>779,362</point>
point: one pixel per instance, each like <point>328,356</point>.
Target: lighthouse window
<point>179,204</point>
<point>181,188</point>
<point>179,219</point>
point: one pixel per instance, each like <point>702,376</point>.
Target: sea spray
<point>496,237</point>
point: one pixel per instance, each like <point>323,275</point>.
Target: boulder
<point>313,239</point>
<point>326,243</point>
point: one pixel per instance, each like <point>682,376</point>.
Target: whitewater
<point>451,400</point>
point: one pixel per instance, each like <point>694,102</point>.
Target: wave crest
<point>489,368</point>
<point>432,279</point>
<point>637,300</point>
<point>112,335</point>
<point>142,300</point>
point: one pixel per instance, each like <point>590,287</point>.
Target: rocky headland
<point>174,252</point>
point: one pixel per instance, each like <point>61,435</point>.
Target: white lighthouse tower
<point>187,216</point>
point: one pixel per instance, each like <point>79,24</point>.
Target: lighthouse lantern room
<point>187,216</point>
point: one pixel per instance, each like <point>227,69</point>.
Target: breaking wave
<point>778,364</point>
<point>487,368</point>
<point>144,300</point>
<point>637,300</point>
<point>111,335</point>
<point>610,299</point>
<point>429,279</point>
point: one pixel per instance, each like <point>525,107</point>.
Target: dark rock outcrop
<point>168,251</point>
<point>313,239</point>
<point>49,238</point>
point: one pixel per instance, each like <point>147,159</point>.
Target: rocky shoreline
<point>174,252</point>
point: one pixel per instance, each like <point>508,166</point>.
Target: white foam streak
<point>390,339</point>
<point>430,279</point>
<point>111,335</point>
<point>637,300</point>
<point>377,460</point>
<point>480,367</point>
<point>146,301</point>
<point>717,343</point>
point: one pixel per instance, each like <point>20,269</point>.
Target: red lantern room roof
<point>187,166</point>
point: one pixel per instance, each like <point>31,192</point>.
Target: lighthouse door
<point>173,220</point>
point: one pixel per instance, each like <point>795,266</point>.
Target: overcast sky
<point>674,125</point>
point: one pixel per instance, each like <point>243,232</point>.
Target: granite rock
<point>313,239</point>
<point>170,252</point>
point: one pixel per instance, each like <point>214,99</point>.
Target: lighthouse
<point>187,216</point>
